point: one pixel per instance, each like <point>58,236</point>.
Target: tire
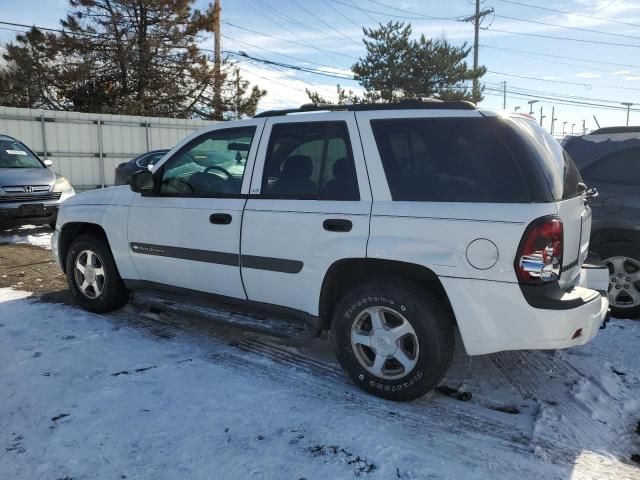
<point>427,346</point>
<point>109,292</point>
<point>52,225</point>
<point>627,279</point>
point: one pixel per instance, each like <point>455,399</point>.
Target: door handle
<point>220,218</point>
<point>337,225</point>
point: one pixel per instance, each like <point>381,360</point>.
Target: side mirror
<point>48,163</point>
<point>142,182</point>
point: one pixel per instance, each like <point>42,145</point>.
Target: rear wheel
<point>393,338</point>
<point>92,275</point>
<point>623,261</point>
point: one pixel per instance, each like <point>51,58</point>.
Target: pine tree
<point>398,66</point>
<point>137,57</point>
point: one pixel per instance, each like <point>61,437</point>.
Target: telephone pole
<point>553,118</point>
<point>531,102</point>
<point>217,60</point>
<point>504,95</point>
<point>476,19</point>
<point>628,105</point>
<point>542,117</point>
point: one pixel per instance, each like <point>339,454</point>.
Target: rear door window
<point>310,160</point>
<point>449,160</point>
<point>620,167</point>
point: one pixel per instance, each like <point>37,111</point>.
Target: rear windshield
<point>559,169</point>
<point>450,160</point>
<point>14,154</point>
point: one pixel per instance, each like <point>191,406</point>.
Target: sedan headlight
<point>62,185</point>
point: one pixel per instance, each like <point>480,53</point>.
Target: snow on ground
<point>39,236</point>
<point>130,395</point>
<point>141,395</point>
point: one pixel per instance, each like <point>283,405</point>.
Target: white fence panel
<point>86,147</point>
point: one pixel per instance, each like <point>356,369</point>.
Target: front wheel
<point>93,277</point>
<point>393,338</point>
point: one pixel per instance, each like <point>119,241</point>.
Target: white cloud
<point>622,72</point>
<point>588,75</point>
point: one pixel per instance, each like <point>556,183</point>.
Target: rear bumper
<point>495,316</point>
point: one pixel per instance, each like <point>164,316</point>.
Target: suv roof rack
<point>407,104</point>
<point>616,130</point>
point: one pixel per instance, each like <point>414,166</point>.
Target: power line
<point>586,85</point>
<point>559,56</point>
<point>539,7</point>
<point>242,42</point>
<point>298,22</point>
<point>412,16</point>
<point>581,29</point>
<point>335,9</point>
<point>321,20</point>
<point>289,41</point>
<point>569,39</point>
<point>293,67</point>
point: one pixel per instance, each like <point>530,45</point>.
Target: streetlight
<point>516,108</point>
<point>572,125</point>
<point>531,102</point>
<point>628,105</point>
<point>563,125</point>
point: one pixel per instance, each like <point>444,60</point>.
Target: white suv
<point>388,225</point>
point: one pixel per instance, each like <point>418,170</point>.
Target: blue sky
<point>326,34</point>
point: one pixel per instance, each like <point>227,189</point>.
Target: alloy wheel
<point>624,282</point>
<point>89,274</point>
<point>384,342</point>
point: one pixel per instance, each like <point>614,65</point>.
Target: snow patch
<point>38,236</point>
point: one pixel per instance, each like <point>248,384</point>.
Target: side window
<point>311,161</point>
<point>448,160</point>
<point>619,167</point>
<point>212,164</point>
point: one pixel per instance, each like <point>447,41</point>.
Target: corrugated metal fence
<point>86,147</point>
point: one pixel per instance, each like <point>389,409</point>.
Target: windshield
<point>14,154</point>
<point>558,167</point>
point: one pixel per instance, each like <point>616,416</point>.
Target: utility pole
<point>217,73</point>
<point>542,117</point>
<point>584,126</point>
<point>531,102</point>
<point>553,118</point>
<point>563,125</point>
<point>572,125</point>
<point>628,105</point>
<point>504,95</point>
<point>476,19</point>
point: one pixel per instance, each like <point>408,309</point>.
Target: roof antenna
<point>596,120</point>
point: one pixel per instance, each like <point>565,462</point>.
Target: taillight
<point>539,258</point>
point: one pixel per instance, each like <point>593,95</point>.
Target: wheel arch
<point>344,274</point>
<point>72,230</point>
<point>603,236</point>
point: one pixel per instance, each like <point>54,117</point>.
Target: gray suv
<point>609,159</point>
<point>30,192</point>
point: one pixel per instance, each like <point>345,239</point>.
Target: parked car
<point>30,192</point>
<point>609,159</point>
<point>146,160</point>
<point>388,225</point>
